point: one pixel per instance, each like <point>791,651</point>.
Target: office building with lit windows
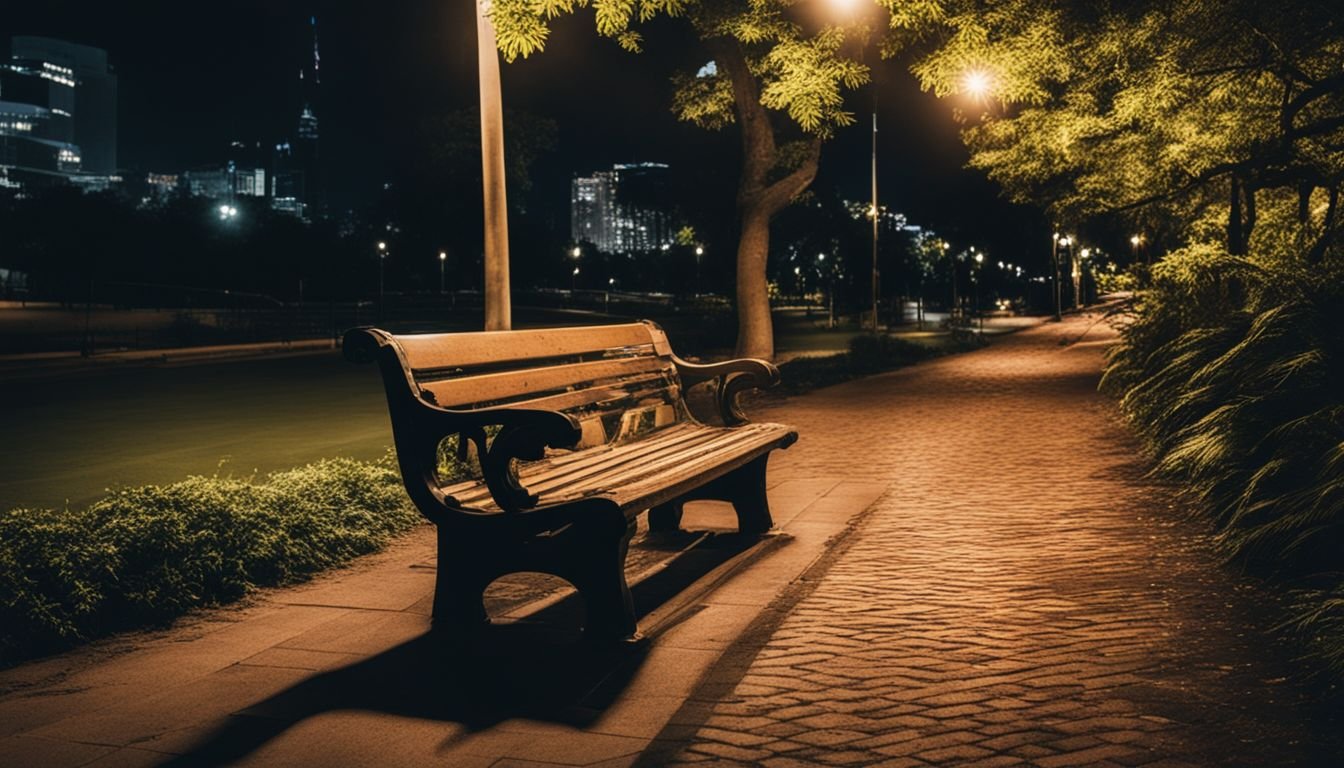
<point>58,114</point>
<point>624,210</point>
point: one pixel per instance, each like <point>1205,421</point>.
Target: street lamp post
<point>498,312</point>
<point>1135,242</point>
<point>975,283</point>
<point>1078,267</point>
<point>847,7</point>
<point>699,252</point>
<point>443,259</point>
<point>1055,242</point>
<point>573,279</point>
<point>382,257</point>
<point>876,211</point>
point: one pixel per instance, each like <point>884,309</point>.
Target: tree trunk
<point>755,330</point>
<point>757,202</point>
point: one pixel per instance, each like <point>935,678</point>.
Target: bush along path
<point>143,556</point>
<point>1232,370</point>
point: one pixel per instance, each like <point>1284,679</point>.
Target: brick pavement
<point>1014,593</point>
<point>1022,595</point>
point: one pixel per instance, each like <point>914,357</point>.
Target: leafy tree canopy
<point>803,69</point>
<point>1147,106</point>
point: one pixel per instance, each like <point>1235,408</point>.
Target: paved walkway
<point>972,570</point>
<point>1021,596</point>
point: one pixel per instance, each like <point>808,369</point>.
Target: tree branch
<point>778,194</point>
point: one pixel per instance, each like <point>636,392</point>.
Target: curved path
<point>1021,595</point>
<point>973,570</point>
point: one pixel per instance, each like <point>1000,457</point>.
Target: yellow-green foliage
<point>146,555</point>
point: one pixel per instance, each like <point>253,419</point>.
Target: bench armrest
<point>734,377</point>
<point>418,426</point>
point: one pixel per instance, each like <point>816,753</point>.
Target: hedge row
<point>142,556</point>
<point>1233,372</point>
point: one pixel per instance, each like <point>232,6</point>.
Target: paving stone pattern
<point>1022,595</point>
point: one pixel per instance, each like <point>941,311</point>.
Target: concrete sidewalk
<point>970,569</point>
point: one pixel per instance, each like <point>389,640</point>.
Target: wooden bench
<point>575,432</point>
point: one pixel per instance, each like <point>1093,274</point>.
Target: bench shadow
<point>540,668</point>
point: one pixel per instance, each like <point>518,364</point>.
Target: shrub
<point>873,352</point>
<point>868,353</point>
<point>1233,372</point>
<point>146,555</point>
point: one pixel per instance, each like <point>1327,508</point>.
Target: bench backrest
<point>617,380</point>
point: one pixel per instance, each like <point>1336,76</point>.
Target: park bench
<point>573,432</point>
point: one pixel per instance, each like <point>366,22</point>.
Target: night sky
<point>195,76</point>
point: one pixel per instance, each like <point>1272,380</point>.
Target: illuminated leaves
<point>613,16</point>
<point>804,77</point>
<point>1114,106</point>
<point>1020,53</point>
<point>520,25</point>
<point>705,100</point>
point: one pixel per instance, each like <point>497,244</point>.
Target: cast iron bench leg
<point>459,585</point>
<point>745,488</point>
<point>598,573</point>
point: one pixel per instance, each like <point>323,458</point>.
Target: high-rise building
<point>300,161</point>
<point>624,210</point>
<point>58,113</point>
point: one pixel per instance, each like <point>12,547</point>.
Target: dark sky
<point>194,76</point>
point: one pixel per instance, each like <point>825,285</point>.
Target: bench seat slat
<point>637,470</point>
<point>546,475</point>
<point>463,350</point>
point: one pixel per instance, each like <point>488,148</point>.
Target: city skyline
<point>391,69</point>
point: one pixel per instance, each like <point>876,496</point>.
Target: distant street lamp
<point>975,283</point>
<point>573,279</point>
<point>1057,241</point>
<point>1078,277</point>
<point>443,259</point>
<point>382,257</point>
<point>699,251</point>
<point>606,295</point>
<point>576,252</point>
<point>1135,242</point>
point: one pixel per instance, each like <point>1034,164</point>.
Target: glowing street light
<point>976,83</point>
<point>573,279</point>
<point>576,252</point>
<point>443,259</point>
